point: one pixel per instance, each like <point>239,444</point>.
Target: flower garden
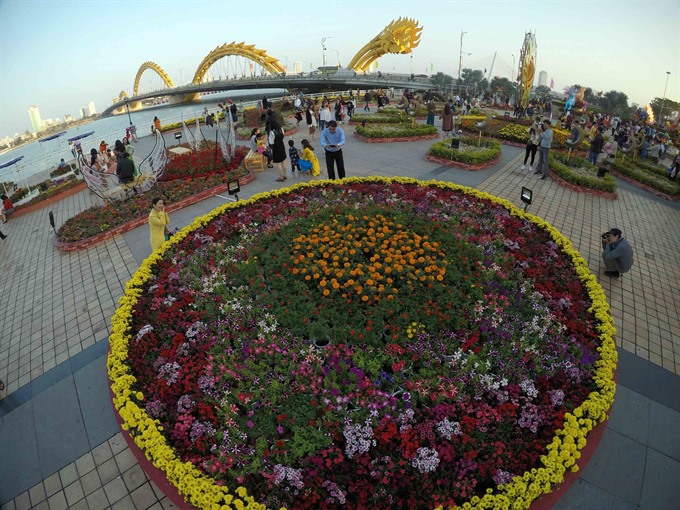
<point>581,173</point>
<point>471,152</point>
<point>370,343</point>
<point>399,131</point>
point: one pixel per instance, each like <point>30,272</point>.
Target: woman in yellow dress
<point>158,223</point>
<point>308,154</point>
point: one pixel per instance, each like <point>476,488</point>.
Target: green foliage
<point>384,117</point>
<point>542,90</point>
<point>468,152</point>
<point>651,175</point>
<point>502,86</point>
<point>668,105</point>
<point>396,130</point>
<point>441,80</point>
<point>580,172</point>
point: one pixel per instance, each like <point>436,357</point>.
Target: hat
<point>615,232</point>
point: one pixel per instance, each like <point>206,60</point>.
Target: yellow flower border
<point>202,492</point>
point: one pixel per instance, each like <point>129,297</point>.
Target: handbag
<point>168,234</point>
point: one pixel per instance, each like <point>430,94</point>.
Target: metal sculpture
<point>248,51</point>
<point>400,37</point>
<point>527,69</point>
<point>158,70</point>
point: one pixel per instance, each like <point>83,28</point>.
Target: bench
<point>254,161</point>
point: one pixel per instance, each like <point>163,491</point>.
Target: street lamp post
<point>128,110</point>
<point>668,73</point>
<point>512,73</point>
<point>460,56</point>
<point>323,47</point>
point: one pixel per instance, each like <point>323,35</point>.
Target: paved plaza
<point>59,443</point>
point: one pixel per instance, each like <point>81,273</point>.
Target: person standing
<point>546,137</point>
<point>431,110</point>
<point>158,223</point>
<point>596,145</point>
<point>617,253</point>
<point>367,98</point>
<point>157,123</point>
<point>324,115</point>
<point>532,146</point>
<point>311,120</point>
<point>133,132</point>
<point>278,147</point>
<point>447,119</point>
<point>333,140</point>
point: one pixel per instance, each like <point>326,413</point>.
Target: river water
<point>41,157</point>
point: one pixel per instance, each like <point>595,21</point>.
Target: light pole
<point>668,73</point>
<point>460,56</point>
<point>128,110</point>
<point>512,72</point>
<point>323,48</point>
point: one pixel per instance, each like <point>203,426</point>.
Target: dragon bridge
<point>400,37</point>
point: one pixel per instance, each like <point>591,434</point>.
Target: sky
<point>59,55</point>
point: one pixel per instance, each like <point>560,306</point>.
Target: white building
<point>297,67</point>
<point>91,108</point>
<point>34,115</point>
<point>542,79</point>
<point>84,112</point>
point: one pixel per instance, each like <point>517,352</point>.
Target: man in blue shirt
<point>332,140</point>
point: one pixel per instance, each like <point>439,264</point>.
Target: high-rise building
<point>34,115</point>
<point>542,79</point>
<point>297,66</point>
<point>84,112</point>
<point>90,106</point>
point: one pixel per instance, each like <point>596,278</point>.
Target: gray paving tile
<point>664,426</point>
<point>630,415</point>
<point>61,439</point>
<point>95,404</point>
<point>585,496</point>
<point>617,467</point>
<point>51,377</point>
<point>20,466</point>
<point>661,490</point>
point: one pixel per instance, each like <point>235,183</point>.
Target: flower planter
<point>464,166</point>
<point>384,402</point>
<point>142,220</point>
<point>649,189</point>
<point>21,210</point>
<point>581,189</point>
<point>396,139</point>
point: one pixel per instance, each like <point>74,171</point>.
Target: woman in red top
<point>7,208</point>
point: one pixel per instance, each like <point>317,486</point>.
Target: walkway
<point>59,445</point>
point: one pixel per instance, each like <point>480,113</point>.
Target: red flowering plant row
<point>370,345</point>
<point>205,163</point>
<point>181,180</point>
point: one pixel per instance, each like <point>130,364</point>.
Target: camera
<point>605,236</point>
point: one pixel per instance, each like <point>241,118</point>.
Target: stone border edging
<point>20,211</point>
<point>643,186</point>
<point>610,195</point>
<point>464,166</point>
<point>138,222</point>
<point>396,139</point>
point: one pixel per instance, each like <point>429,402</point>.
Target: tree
<point>668,107</point>
<point>441,80</point>
<point>542,90</point>
<point>614,102</point>
<point>502,86</point>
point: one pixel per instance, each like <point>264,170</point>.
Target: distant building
<point>34,115</point>
<point>542,79</point>
<point>84,112</point>
<point>68,117</point>
<point>47,122</point>
<point>91,108</point>
<point>297,67</point>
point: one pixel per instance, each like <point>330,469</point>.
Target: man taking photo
<point>617,253</point>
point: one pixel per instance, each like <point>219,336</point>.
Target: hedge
<point>395,130</point>
<point>650,175</point>
<point>468,152</point>
<point>559,165</point>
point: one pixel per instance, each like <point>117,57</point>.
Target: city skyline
<point>70,66</point>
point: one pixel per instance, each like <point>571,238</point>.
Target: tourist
<point>674,169</point>
<point>546,136</point>
<point>158,223</point>
<point>610,149</point>
<point>532,146</point>
<point>431,110</point>
<point>338,111</point>
<point>233,109</point>
<point>350,109</point>
<point>125,168</point>
<point>596,145</point>
<point>96,162</point>
<point>332,140</point>
<point>277,147</point>
<point>102,147</point>
<point>7,208</point>
<point>311,120</point>
<point>447,119</point>
<point>324,115</point>
<point>309,155</point>
<point>367,98</point>
<point>62,164</point>
<point>294,156</point>
<point>130,150</point>
<point>655,151</point>
<point>617,253</point>
<point>157,124</point>
<point>257,145</point>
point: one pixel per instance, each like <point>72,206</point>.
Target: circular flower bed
<point>372,343</point>
<point>467,153</point>
<point>401,131</point>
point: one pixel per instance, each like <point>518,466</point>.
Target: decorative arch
<point>241,49</point>
<point>122,95</point>
<point>400,36</point>
<point>158,70</point>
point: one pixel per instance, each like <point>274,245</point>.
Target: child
<point>294,158</point>
<point>309,156</point>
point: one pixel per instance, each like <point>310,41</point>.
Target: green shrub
<point>580,172</point>
<point>395,130</point>
<point>468,151</point>
<point>381,118</point>
<point>653,176</point>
